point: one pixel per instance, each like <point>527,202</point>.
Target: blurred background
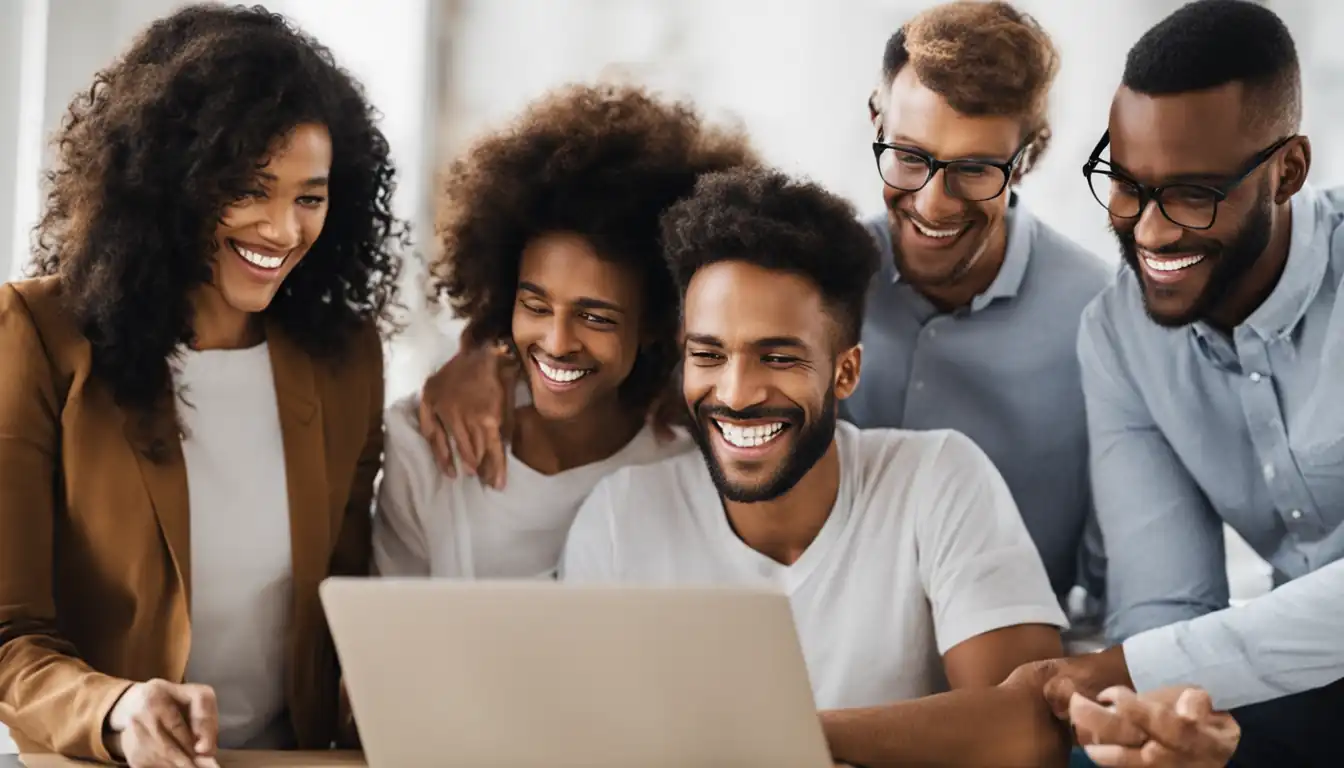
<point>795,73</point>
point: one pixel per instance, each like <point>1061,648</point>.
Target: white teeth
<point>257,259</point>
<point>562,375</point>
<point>1171,265</point>
<point>940,233</point>
<point>752,436</point>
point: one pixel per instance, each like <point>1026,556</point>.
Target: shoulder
<point>1079,272</point>
<point>888,457</point>
<point>408,461</point>
<point>35,324</point>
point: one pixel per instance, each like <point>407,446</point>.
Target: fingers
<point>1097,724</point>
<point>1151,755</point>
<point>463,438</point>
<point>1160,722</point>
<point>432,429</point>
<point>494,462</point>
<point>1059,692</point>
<point>203,718</point>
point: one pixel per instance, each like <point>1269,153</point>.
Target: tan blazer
<point>95,568</point>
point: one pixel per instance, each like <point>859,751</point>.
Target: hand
<point>1171,727</point>
<point>468,403</point>
<point>1088,675</point>
<point>160,724</point>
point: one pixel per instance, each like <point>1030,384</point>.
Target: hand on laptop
<point>1170,727</point>
<point>159,723</point>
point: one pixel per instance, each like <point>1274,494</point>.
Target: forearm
<point>1008,725</point>
<point>52,698</point>
<point>1280,644</point>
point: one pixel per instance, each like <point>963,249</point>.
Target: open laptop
<point>528,674</point>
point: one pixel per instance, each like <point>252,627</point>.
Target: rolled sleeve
<point>1163,542</point>
<point>1281,644</point>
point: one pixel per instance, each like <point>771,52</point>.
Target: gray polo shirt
<point>1003,371</point>
<point>1192,428</point>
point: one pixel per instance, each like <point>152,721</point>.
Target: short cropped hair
<point>763,217</point>
<point>984,59</point>
<point>601,161</point>
<point>1210,43</point>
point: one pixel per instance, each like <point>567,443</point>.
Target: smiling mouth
<point>752,435</point>
<point>258,260</point>
<point>1168,265</point>
<point>561,375</point>
<point>940,234</point>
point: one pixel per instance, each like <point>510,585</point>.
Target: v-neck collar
<point>787,577</point>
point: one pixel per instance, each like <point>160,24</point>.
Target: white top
<point>428,524</point>
<point>241,571</point>
<point>923,549</point>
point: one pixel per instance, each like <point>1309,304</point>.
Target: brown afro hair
<point>602,161</point>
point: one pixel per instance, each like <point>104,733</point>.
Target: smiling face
<point>762,377</point>
<point>940,239</point>
<point>264,235</point>
<point>575,324</point>
<point>1198,137</point>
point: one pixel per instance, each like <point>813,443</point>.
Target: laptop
<point>525,674</point>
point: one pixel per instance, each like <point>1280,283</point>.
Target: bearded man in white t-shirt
<point>908,567</point>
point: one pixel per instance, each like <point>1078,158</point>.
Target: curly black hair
<point>168,135</point>
<point>601,161</point>
<point>763,217</point>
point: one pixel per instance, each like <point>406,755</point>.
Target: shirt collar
<point>1303,273</point>
<point>1019,222</point>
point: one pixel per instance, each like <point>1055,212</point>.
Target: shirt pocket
<point>1322,466</point>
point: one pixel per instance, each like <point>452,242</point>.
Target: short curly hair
<point>763,217</point>
<point>163,140</point>
<point>1210,43</point>
<point>984,58</point>
<point>601,161</point>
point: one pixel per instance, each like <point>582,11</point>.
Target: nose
<point>280,225</point>
<point>933,203</point>
<point>560,338</point>
<point>739,388</point>
<point>1155,229</point>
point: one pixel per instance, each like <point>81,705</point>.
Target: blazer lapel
<point>157,442</point>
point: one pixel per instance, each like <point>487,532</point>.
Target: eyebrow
<point>769,342</point>
<point>584,302</point>
<point>905,141</point>
<point>315,181</point>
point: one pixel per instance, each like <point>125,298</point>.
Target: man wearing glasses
<point>1214,376</point>
<point>972,322</point>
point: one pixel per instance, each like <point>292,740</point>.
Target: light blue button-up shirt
<point>1191,428</point>
<point>1002,371</point>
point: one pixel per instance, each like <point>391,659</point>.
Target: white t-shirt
<point>923,549</point>
<point>428,524</point>
<point>241,566</point>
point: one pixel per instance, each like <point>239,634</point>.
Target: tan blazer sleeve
<point>47,692</point>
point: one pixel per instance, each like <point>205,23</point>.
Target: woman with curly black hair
<point>551,246</point>
<point>190,416</point>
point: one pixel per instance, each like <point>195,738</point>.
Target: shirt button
<point>1269,471</point>
<point>933,332</point>
<point>1296,514</point>
<point>1255,376</point>
<point>919,385</point>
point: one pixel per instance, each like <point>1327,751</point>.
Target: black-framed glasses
<point>972,179</point>
<point>1189,205</point>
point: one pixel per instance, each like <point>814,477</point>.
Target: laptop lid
<point>451,673</point>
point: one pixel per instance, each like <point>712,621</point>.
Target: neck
<point>783,528</point>
<point>551,446</point>
<point>216,325</point>
<point>1259,282</point>
<point>961,291</point>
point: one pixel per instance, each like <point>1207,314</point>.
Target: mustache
<point>792,415</point>
<point>1181,246</point>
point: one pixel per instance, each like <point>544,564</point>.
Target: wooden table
<point>227,759</point>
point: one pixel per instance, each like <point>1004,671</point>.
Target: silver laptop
<point>528,674</point>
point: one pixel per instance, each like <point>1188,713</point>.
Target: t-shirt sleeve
<point>980,569</point>
<point>400,543</point>
<point>590,549</point>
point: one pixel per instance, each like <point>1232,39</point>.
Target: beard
<point>1231,262</point>
<point>809,445</point>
